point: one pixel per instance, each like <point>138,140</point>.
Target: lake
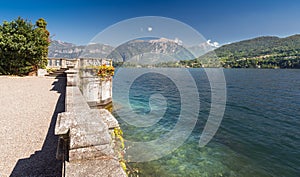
<point>259,134</point>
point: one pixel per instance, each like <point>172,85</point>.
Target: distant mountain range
<point>157,50</point>
<point>260,52</point>
<point>59,49</point>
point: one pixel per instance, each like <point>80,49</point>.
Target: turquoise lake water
<point>259,134</point>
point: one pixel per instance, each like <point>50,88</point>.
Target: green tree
<point>43,42</point>
<point>23,46</point>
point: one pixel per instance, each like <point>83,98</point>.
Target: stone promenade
<point>28,112</point>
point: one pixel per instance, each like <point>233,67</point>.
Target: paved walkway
<point>28,111</point>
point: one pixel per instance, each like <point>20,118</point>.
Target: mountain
<point>265,52</point>
<point>57,44</point>
<point>135,51</point>
<point>260,52</point>
<point>151,51</point>
<point>96,51</point>
<point>58,49</point>
<point>266,45</point>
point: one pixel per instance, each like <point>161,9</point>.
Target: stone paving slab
<point>96,167</point>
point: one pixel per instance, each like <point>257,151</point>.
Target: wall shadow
<point>44,162</point>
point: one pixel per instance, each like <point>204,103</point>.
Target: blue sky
<point>222,21</point>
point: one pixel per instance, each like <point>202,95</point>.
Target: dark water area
<point>259,134</point>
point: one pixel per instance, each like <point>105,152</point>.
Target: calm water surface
<point>259,135</point>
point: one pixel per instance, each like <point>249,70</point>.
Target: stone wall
<point>77,62</point>
<point>86,144</point>
<point>97,91</point>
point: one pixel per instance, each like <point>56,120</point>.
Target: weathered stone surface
<point>88,130</point>
<point>63,123</point>
<point>97,91</point>
<point>85,135</point>
<point>91,152</point>
<point>90,143</point>
<point>108,118</point>
<point>75,102</point>
<point>97,167</point>
<point>71,77</point>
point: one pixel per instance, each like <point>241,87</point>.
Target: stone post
<point>63,63</point>
<point>97,91</point>
<point>71,77</point>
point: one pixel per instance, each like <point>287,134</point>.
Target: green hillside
<point>266,52</point>
<point>261,52</point>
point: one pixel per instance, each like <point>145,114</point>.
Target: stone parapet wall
<point>96,90</point>
<point>85,140</point>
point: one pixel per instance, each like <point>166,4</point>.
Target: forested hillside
<point>261,52</point>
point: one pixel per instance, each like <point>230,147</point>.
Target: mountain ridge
<point>130,49</point>
<point>259,52</point>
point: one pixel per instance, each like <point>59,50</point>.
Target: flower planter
<point>96,90</point>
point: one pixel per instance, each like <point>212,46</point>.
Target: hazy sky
<point>223,21</point>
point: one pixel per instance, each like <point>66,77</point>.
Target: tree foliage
<point>261,52</point>
<point>23,46</point>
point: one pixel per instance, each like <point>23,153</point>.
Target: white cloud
<point>178,41</point>
<point>213,44</point>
